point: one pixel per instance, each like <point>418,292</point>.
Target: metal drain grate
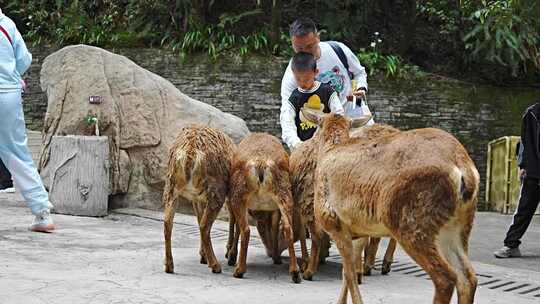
<point>401,267</point>
<point>216,234</point>
<point>484,280</point>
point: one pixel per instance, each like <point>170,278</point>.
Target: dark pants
<point>528,202</point>
<point>5,177</point>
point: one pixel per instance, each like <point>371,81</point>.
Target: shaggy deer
<point>303,161</point>
<point>419,187</point>
<point>260,182</point>
<point>371,246</point>
<point>199,169</point>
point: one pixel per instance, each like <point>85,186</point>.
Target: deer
<point>419,187</point>
<point>371,245</point>
<point>259,183</point>
<point>303,161</point>
<point>199,167</point>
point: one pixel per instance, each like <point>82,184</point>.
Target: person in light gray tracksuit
<point>14,61</point>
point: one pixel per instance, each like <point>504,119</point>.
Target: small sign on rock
<point>95,99</point>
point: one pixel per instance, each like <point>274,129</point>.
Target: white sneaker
<point>43,222</point>
<point>8,190</point>
<point>507,252</point>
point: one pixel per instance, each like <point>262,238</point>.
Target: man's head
<point>304,37</point>
<point>304,67</point>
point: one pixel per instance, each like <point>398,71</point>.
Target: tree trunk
<point>77,175</point>
<point>409,22</point>
<point>199,11</point>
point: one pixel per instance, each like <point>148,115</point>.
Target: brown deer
<point>303,161</point>
<point>419,187</point>
<point>260,182</point>
<point>372,244</point>
<point>199,170</point>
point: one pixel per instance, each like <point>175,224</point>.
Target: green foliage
<point>392,66</point>
<point>219,39</point>
<point>439,33</point>
<point>446,14</point>
<point>506,33</point>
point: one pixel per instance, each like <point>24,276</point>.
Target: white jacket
<point>332,70</point>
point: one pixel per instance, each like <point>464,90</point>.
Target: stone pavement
<point>119,259</point>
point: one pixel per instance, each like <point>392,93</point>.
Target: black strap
<point>339,52</point>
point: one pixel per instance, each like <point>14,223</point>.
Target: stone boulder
<point>140,112</point>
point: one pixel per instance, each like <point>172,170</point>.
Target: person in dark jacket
<point>6,183</point>
<point>529,173</point>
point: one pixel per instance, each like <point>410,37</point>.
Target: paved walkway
<point>119,259</point>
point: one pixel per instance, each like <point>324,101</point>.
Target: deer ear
<point>312,116</point>
<point>358,122</point>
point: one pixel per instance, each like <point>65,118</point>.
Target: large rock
<point>141,113</point>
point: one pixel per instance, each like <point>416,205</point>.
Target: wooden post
<point>77,175</point>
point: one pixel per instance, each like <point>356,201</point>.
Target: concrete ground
<point>119,259</point>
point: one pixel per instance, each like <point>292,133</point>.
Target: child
<point>310,94</point>
<point>14,61</point>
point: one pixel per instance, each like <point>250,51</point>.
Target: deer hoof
<point>367,270</point>
<point>169,268</point>
<point>295,275</point>
<point>386,267</point>
<point>231,261</point>
<point>308,275</point>
<point>237,274</point>
<point>359,278</point>
<point>216,269</point>
<point>203,260</point>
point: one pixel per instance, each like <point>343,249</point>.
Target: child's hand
<point>23,83</point>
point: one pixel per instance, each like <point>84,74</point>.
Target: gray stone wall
<point>250,89</point>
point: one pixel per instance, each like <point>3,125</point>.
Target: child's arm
<point>288,126</point>
<point>286,118</point>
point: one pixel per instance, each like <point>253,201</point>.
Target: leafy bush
<point>506,33</point>
<point>376,62</point>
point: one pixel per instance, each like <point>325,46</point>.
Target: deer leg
<point>199,211</point>
<point>205,228</point>
<point>453,244</point>
<point>240,212</point>
<point>389,256</point>
<point>316,235</point>
<point>274,237</point>
<point>359,246</point>
<point>325,247</point>
<point>170,208</point>
<point>370,253</point>
<point>303,247</point>
<point>427,255</point>
<point>230,240</point>
<point>286,208</point>
<point>345,246</point>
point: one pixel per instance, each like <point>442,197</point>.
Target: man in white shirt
<point>332,70</point>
